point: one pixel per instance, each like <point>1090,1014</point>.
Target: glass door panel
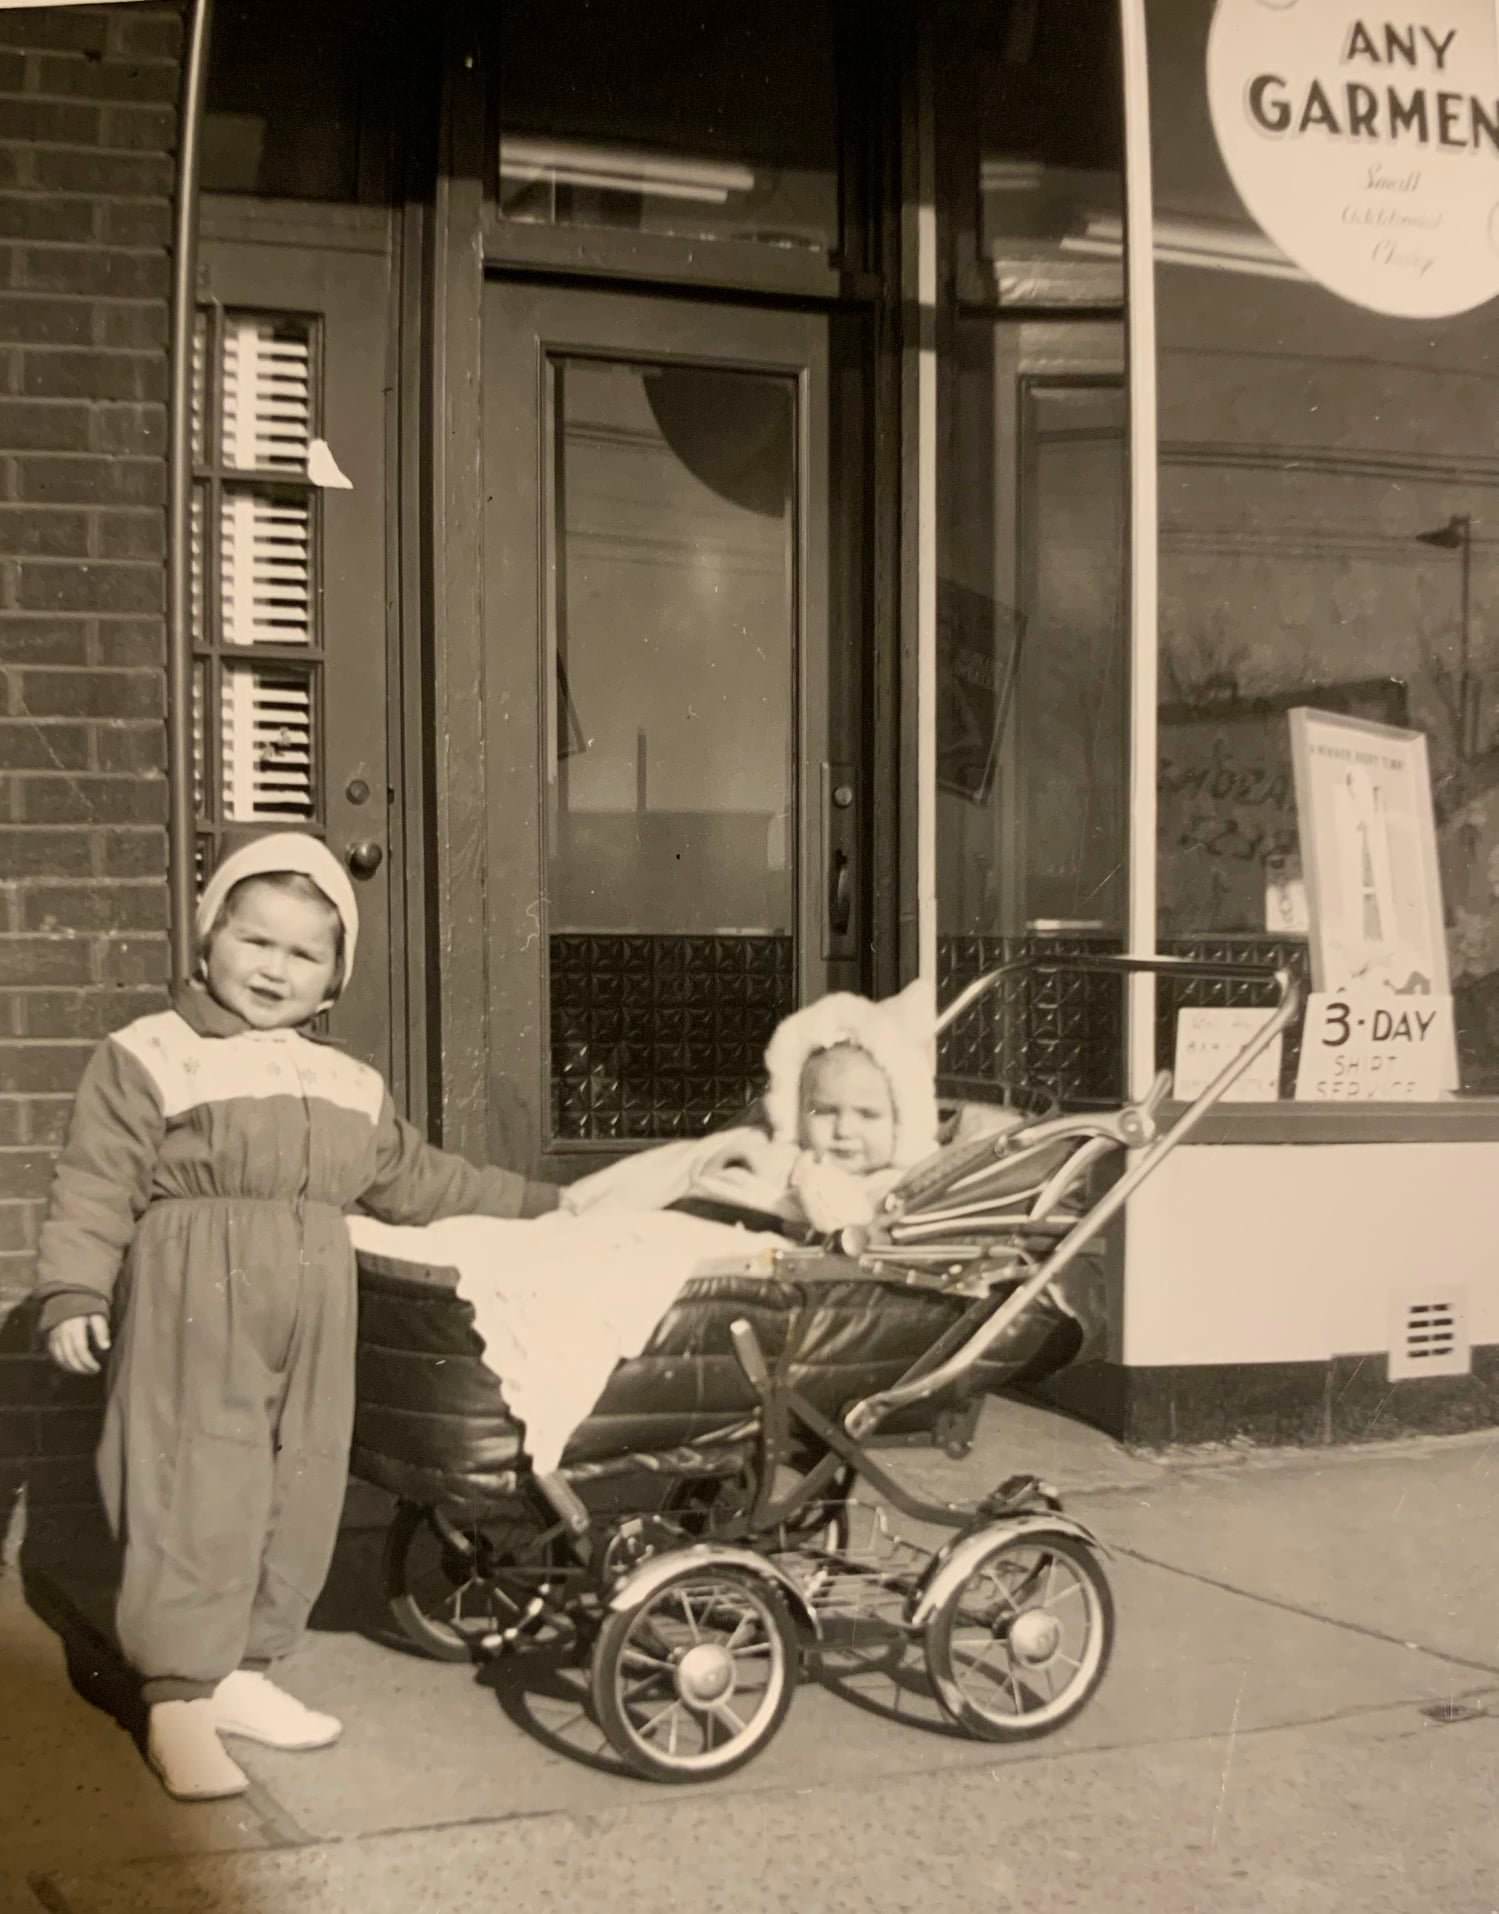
<point>662,719</point>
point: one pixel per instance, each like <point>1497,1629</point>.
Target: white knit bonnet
<point>284,851</point>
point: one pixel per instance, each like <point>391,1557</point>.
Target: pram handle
<point>865,1416</point>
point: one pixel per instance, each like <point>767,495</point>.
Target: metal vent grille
<point>1429,1335</point>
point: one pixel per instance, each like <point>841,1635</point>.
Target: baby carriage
<point>703,1524</point>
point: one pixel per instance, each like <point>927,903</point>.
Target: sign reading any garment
<point>1365,143</point>
<point>1375,1049</point>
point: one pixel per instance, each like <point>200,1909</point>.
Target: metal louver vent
<point>266,744</point>
<point>265,569</point>
<point>1430,1335</point>
<point>199,384</point>
<point>267,393</point>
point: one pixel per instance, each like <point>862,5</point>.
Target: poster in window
<point>978,654</point>
<point>1369,852</point>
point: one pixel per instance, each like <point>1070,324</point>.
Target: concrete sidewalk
<point>1340,1597</point>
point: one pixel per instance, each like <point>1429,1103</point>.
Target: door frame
<point>516,691</point>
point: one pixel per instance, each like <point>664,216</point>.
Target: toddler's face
<point>847,1115</point>
<point>273,958</point>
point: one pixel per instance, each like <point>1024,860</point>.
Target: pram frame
<point>630,1564</point>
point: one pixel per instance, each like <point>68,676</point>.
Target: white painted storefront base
<point>1259,1253</point>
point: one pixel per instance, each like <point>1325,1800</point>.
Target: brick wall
<point>87,136</point>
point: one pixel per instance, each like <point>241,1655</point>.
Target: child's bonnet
<point>896,1034</point>
<point>284,851</point>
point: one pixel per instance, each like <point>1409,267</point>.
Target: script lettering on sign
<point>1366,145</point>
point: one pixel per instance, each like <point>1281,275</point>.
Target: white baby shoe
<point>250,1704</point>
<point>183,1746</point>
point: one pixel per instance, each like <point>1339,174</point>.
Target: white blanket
<point>560,1300</point>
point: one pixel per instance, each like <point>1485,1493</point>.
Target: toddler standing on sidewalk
<point>196,1232</point>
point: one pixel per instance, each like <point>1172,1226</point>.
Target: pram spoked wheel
<point>1020,1643</point>
<point>695,1678</point>
<point>453,1582</point>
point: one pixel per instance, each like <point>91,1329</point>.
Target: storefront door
<point>674,492</point>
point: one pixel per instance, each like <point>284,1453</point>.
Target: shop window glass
<point>671,117</point>
<point>1032,90</point>
<point>1328,527</point>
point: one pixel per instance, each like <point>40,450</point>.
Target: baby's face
<point>847,1114</point>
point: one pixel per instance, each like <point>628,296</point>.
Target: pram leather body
<point>432,1424</point>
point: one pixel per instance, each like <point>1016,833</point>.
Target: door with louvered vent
<point>288,577</point>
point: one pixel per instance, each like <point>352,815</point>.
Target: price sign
<point>1209,1038</point>
<point>1376,1049</point>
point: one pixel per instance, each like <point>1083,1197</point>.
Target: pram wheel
<point>451,1581</point>
<point>1018,1646</point>
<point>694,1680</point>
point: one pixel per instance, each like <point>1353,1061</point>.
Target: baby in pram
<point>849,1108</point>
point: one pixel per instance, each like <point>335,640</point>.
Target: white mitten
<point>830,1197</point>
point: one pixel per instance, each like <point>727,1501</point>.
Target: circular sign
<point>1365,143</point>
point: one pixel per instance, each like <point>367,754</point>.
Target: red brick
<point>142,129</point>
<point>119,906</point>
<point>32,319</point>
<point>19,1434</point>
<point>43,534</point>
<point>120,175</point>
<point>89,800</point>
<point>131,853</point>
<point>41,1067</point>
<point>56,29</point>
<point>46,216</point>
<point>15,169</point>
<point>139,327</point>
<point>47,1119</point>
<point>44,641</point>
<point>52,1482</point>
<point>130,430</point>
<point>146,222</point>
<point>52,122</point>
<point>127,534</point>
<point>131,747</point>
<point>71,77</point>
<point>49,960</point>
<point>132,960</point>
<point>34,425</point>
<point>89,271</point>
<point>93,375</point>
<point>150,35</point>
<point>14,1128</point>
<point>90,694</point>
<point>12,73</point>
<point>43,747</point>
<point>31,851</point>
<point>25,1173</point>
<point>29,1381</point>
<point>18,1221</point>
<point>90,481</point>
<point>82,1013</point>
<point>43,586</point>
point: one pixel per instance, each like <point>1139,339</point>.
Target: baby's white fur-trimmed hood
<point>898,1034</point>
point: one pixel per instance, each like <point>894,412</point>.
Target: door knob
<point>364,858</point>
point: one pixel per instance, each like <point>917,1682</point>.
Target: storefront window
<point>1326,469</point>
<point>1033,142</point>
<point>671,117</point>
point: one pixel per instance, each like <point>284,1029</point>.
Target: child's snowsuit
<point>200,1203</point>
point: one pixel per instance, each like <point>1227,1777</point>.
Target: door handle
<point>364,858</point>
<point>841,895</point>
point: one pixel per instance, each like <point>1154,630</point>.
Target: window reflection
<point>1328,522</point>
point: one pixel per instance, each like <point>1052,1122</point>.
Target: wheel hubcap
<point>705,1675</point>
<point>1035,1637</point>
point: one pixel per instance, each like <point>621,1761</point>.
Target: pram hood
<point>899,1034</point>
